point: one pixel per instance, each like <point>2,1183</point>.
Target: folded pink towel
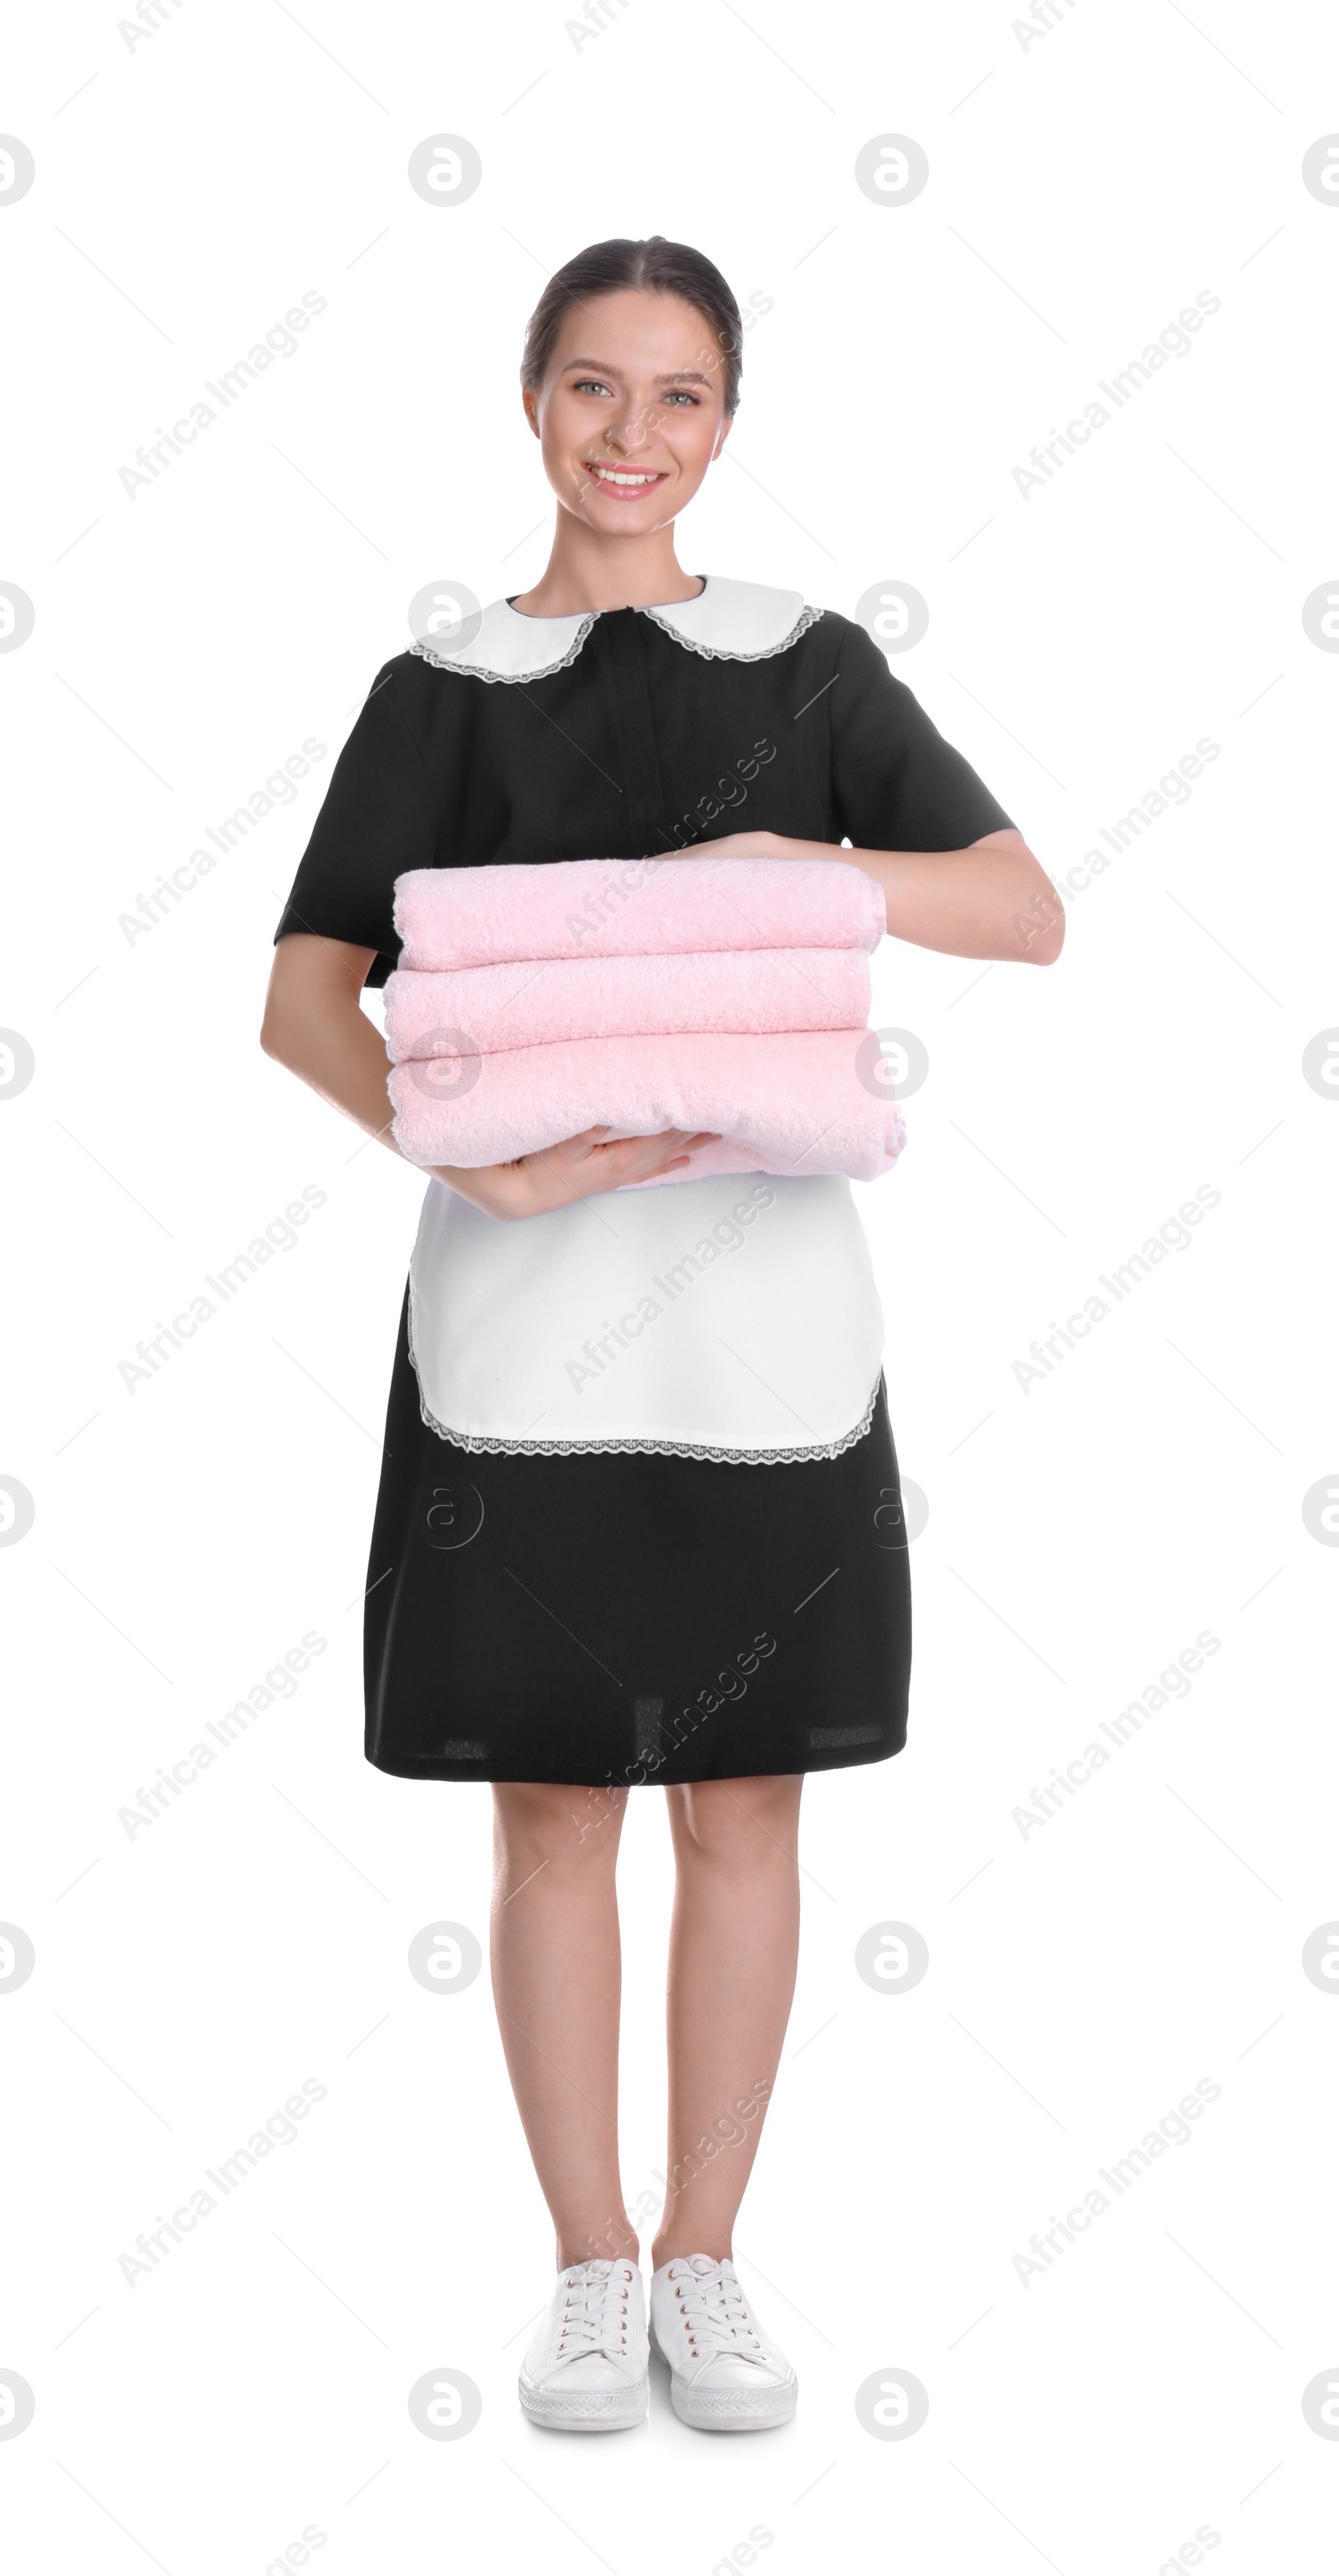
<point>798,1103</point>
<point>752,991</point>
<point>652,907</point>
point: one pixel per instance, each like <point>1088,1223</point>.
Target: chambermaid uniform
<point>639,1517</point>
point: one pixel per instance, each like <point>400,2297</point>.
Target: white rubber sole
<point>585,2410</point>
<point>728,2410</point>
<point>733,2410</point>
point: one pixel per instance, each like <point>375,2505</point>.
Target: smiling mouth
<point>627,481</point>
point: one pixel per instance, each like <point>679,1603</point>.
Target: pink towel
<point>652,907</point>
<point>796,1103</point>
<point>493,1008</point>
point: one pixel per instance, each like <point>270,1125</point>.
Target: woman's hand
<point>580,1168</point>
<point>758,845</point>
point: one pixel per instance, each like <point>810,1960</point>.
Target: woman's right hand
<point>579,1168</point>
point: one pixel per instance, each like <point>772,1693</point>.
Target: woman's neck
<point>588,572</point>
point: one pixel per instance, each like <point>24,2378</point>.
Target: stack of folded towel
<point>723,995</point>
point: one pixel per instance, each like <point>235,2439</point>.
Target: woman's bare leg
<point>556,1979</point>
<point>734,1941</point>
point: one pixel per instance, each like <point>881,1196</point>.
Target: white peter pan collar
<point>728,621</point>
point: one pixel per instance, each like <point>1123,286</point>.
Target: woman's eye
<point>596,385</point>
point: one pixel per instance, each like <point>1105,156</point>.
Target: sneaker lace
<point>595,2310</point>
<point>715,2314</point>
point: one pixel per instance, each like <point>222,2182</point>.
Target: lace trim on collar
<point>725,652</point>
<point>730,603</point>
<point>480,671</point>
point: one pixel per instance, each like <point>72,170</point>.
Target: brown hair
<point>667,268</point>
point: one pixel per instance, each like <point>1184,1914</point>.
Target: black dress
<point>640,1609</point>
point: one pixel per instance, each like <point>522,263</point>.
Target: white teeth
<point>606,474</point>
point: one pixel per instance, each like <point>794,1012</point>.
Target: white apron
<point>732,1318</point>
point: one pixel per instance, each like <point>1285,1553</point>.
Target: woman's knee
<point>539,1822</point>
<point>745,1823</point>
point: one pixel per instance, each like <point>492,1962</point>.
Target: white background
<point>1083,188</point>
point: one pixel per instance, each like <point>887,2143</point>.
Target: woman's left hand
<point>762,845</point>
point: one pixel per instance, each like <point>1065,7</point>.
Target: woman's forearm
<point>992,899</point>
<point>313,1024</point>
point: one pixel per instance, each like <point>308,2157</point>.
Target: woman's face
<point>635,388</point>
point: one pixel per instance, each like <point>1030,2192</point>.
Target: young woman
<point>602,1558</point>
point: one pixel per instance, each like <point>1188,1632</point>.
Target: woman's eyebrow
<point>677,375</point>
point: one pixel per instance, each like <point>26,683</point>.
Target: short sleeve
<point>897,785</point>
<point>376,821</point>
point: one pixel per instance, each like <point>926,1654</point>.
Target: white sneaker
<point>726,2374</point>
<point>586,2370</point>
